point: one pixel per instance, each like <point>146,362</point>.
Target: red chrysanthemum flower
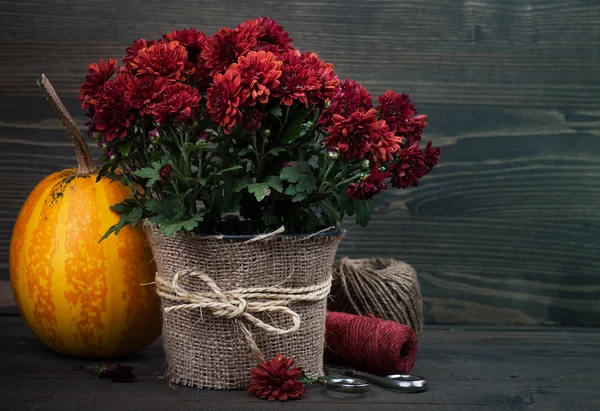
<point>328,82</point>
<point>225,47</point>
<point>191,39</point>
<point>98,74</point>
<point>412,130</point>
<point>180,102</point>
<point>409,167</point>
<point>351,97</point>
<point>112,116</point>
<point>251,120</point>
<point>362,136</point>
<point>166,59</point>
<point>143,92</point>
<point>400,113</point>
<point>369,187</point>
<point>224,98</point>
<point>276,380</point>
<point>270,36</point>
<point>431,157</point>
<point>132,51</point>
<point>260,71</point>
<point>297,80</point>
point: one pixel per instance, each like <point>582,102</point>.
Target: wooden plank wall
<point>505,231</point>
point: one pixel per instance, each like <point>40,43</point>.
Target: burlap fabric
<point>384,287</point>
<point>206,351</point>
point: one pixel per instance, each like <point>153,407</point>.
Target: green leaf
<point>150,173</point>
<point>170,227</point>
<point>276,111</point>
<point>166,208</point>
<point>125,147</point>
<point>130,214</point>
<point>260,190</point>
<point>363,212</point>
<point>301,178</point>
<point>274,182</point>
<point>102,171</point>
<point>275,151</point>
<point>292,128</point>
<point>240,185</point>
<point>225,170</point>
<point>198,146</point>
<point>244,151</point>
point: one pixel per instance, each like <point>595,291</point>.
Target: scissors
<point>360,382</point>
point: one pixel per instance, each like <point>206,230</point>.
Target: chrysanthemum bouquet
<point>240,133</point>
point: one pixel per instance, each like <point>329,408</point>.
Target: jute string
<point>239,304</point>
<point>387,288</point>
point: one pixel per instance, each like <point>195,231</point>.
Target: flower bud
<point>333,153</point>
<point>216,160</point>
<point>203,136</point>
<point>165,172</point>
<point>154,135</point>
<point>310,124</point>
<point>112,153</point>
<point>266,133</point>
<point>365,164</point>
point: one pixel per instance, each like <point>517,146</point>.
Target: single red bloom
<point>350,98</point>
<point>181,102</point>
<point>98,74</point>
<point>112,116</point>
<point>165,172</point>
<point>409,167</point>
<point>329,83</point>
<point>224,98</point>
<point>276,380</point>
<point>270,36</point>
<point>260,71</point>
<point>362,136</point>
<point>225,47</point>
<point>251,120</point>
<point>413,130</point>
<point>370,186</point>
<point>400,113</point>
<point>297,80</point>
<point>166,59</point>
<point>143,92</point>
<point>132,51</point>
<point>191,39</point>
<point>431,157</point>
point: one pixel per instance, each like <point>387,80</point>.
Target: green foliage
<point>238,183</point>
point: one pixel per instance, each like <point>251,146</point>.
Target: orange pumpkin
<point>81,297</point>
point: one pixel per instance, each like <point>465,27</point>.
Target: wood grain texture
<point>467,368</point>
<point>506,230</point>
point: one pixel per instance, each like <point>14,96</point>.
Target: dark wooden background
<point>505,231</point>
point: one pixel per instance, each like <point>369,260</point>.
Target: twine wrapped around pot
<point>230,302</point>
<point>387,288</point>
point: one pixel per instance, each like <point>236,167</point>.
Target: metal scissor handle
<point>348,385</point>
<point>402,382</point>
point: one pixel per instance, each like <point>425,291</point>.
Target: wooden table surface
<point>468,368</point>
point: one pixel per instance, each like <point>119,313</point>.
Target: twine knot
<point>240,304</point>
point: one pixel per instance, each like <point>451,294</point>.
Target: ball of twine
<point>384,287</point>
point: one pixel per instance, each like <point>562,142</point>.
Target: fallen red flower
<point>276,380</point>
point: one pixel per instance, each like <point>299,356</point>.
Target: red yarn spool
<point>370,344</point>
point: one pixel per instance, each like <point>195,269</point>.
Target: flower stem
<point>348,180</point>
<point>85,164</point>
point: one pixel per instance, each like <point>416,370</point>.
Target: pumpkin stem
<point>85,164</point>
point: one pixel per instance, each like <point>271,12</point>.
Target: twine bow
<point>240,304</point>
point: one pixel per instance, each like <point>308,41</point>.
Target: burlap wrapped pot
<point>222,295</point>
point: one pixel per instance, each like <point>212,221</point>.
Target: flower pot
<point>230,300</point>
